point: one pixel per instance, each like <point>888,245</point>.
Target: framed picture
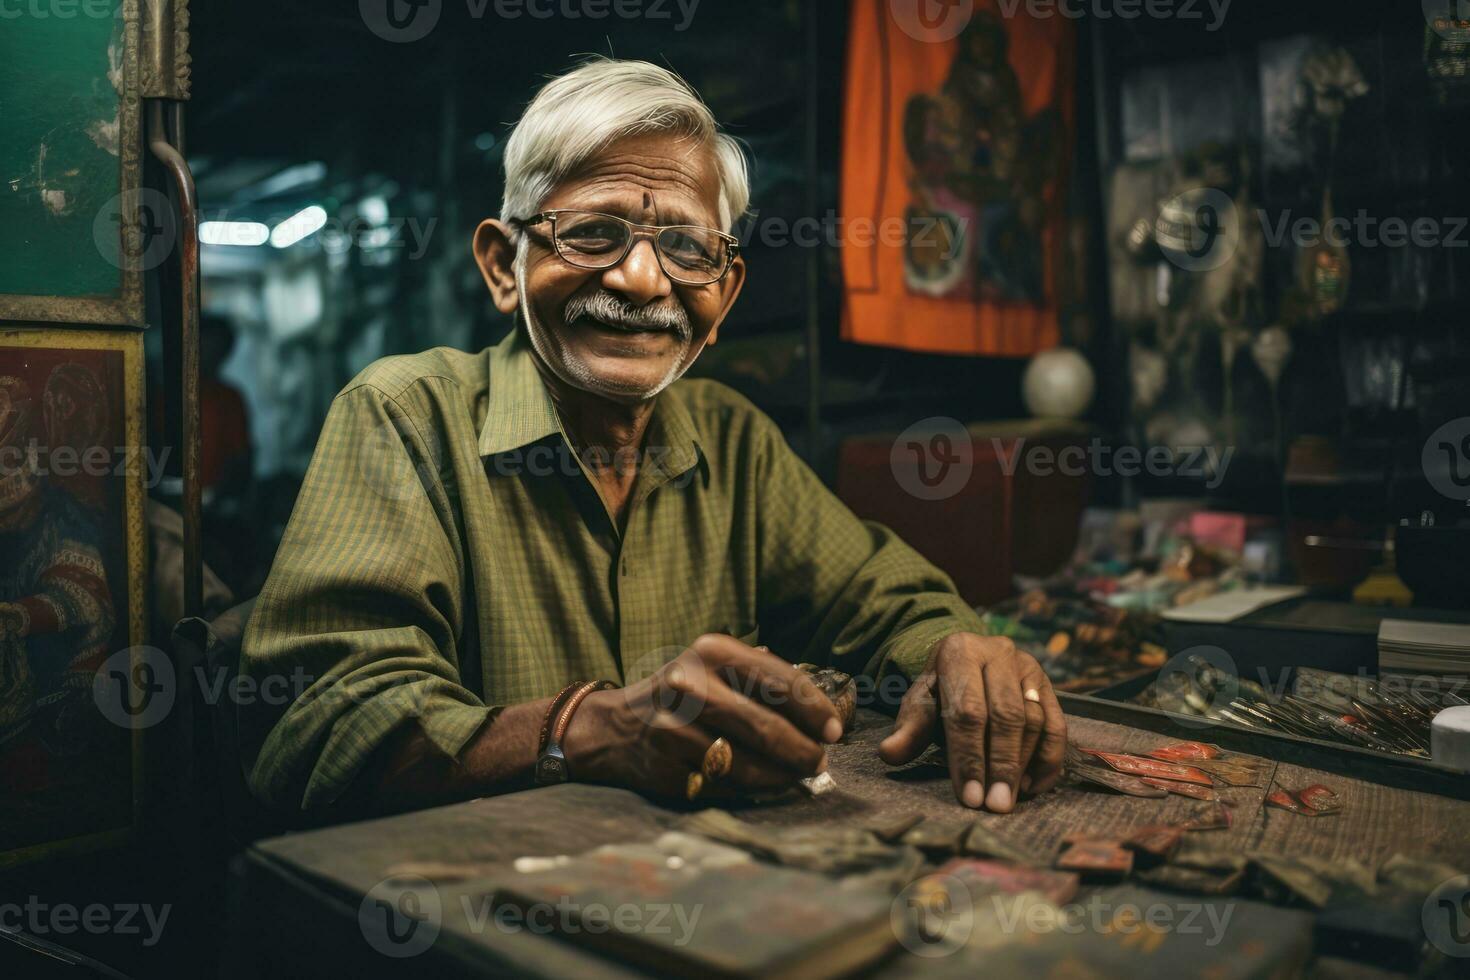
<point>72,603</point>
<point>76,228</point>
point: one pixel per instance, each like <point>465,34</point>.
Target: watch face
<point>550,769</point>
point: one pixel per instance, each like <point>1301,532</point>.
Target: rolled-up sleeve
<point>841,590</point>
<point>356,631</point>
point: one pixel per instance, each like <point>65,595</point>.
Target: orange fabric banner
<point>957,132</point>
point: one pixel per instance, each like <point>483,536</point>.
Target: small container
<point>1449,738</point>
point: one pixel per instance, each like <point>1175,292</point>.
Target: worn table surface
<point>324,875</point>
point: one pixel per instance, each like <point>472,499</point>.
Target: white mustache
<point>606,307</point>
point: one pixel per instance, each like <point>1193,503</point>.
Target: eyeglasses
<point>688,254</point>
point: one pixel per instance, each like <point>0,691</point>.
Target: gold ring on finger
<point>719,759</point>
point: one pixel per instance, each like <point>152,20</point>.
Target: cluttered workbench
<point>428,890</point>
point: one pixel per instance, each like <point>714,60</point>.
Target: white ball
<point>1058,383</point>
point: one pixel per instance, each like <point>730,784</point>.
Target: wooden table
<point>297,898</point>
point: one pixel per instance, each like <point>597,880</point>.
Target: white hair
<point>576,115</point>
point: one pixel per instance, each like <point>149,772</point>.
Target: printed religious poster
<point>71,586</point>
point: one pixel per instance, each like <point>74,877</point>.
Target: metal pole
<point>173,161</point>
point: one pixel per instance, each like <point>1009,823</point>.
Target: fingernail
<point>999,799</point>
<point>973,794</point>
<point>832,731</point>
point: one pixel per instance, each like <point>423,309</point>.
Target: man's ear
<point>730,287</point>
<point>495,254</point>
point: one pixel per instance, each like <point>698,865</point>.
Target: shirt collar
<point>520,411</point>
<point>672,437</point>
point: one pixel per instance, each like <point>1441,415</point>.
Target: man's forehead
<point>662,175</point>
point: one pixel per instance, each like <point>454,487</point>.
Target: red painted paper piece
<point>1096,857</point>
<point>1314,801</point>
<point>1319,798</point>
<point>1103,776</point>
<point>1284,800</point>
<point>1158,841</point>
<point>1136,766</point>
<point>1059,887</point>
<point>1185,752</point>
<point>1182,789</point>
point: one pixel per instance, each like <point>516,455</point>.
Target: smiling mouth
<point>592,322</point>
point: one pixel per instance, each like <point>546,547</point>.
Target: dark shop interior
<point>698,488</point>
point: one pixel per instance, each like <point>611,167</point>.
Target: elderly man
<point>553,560</point>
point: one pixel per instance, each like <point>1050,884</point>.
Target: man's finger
<point>684,750</point>
<point>914,730</point>
<point>1033,682</point>
<point>680,752</point>
<point>1035,722</point>
<point>764,677</point>
<point>1033,679</point>
<point>1004,734</point>
<point>1046,765</point>
<point>750,774</point>
<point>753,727</point>
<point>965,714</point>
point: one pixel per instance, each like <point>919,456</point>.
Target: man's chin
<point>627,366</point>
<point>624,378</point>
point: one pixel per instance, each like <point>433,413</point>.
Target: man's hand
<point>1001,724</point>
<point>653,734</point>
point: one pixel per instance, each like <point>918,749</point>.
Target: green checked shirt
<point>448,555</point>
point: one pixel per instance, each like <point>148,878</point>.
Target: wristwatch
<point>551,765</point>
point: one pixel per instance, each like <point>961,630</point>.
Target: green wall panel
<point>61,69</point>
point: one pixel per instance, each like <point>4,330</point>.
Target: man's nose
<point>639,277</point>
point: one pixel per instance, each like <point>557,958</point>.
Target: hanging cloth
<point>957,132</point>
